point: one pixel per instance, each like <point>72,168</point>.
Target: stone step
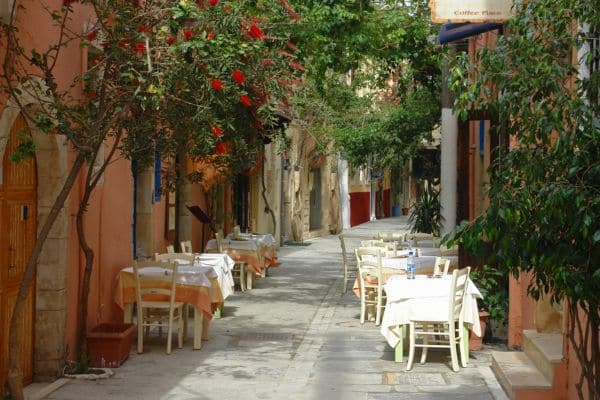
<point>545,350</point>
<point>517,373</point>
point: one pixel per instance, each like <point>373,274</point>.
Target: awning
<point>452,32</point>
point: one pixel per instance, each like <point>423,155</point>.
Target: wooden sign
<point>457,11</point>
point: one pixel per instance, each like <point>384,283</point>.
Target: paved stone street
<point>292,337</point>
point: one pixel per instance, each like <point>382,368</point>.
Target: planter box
<point>109,344</point>
<point>476,342</point>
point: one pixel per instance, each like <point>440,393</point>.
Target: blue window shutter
<point>157,183</point>
<point>481,136</point>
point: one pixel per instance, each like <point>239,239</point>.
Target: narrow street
<point>292,337</point>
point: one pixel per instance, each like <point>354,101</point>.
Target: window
<point>170,216</point>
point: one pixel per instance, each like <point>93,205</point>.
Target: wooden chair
<point>170,249</point>
<point>350,269</point>
<point>219,239</point>
<point>239,272</point>
<point>441,266</point>
<point>371,282</point>
<point>151,310</point>
<point>186,246</point>
<point>391,236</point>
<point>236,232</point>
<point>388,248</point>
<point>452,328</point>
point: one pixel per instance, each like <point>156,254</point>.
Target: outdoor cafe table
<point>391,266</point>
<point>258,256</point>
<point>222,265</point>
<point>192,286</point>
<point>425,299</point>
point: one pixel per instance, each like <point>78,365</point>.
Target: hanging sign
<point>443,11</point>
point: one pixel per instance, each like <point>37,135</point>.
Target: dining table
<point>257,251</point>
<point>396,265</point>
<point>196,285</point>
<point>425,298</point>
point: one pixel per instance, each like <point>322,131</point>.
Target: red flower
<point>217,131</point>
<point>200,3</point>
<point>93,94</point>
<point>142,28</point>
<point>140,48</point>
<point>238,76</point>
<point>210,35</point>
<point>297,65</point>
<point>266,62</point>
<point>227,8</point>
<point>202,67</point>
<point>245,57</point>
<point>258,124</point>
<point>213,2</point>
<point>91,36</point>
<point>123,43</point>
<point>188,34</point>
<point>170,40</point>
<point>216,84</point>
<point>220,147</point>
<point>256,32</point>
<point>245,100</point>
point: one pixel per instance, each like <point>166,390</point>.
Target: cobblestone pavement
<point>294,336</point>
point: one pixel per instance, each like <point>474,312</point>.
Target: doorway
<point>316,208</point>
<point>18,225</point>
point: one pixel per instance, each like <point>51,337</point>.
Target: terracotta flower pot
<point>476,342</point>
<point>109,344</point>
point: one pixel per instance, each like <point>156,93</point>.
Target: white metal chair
<point>156,305</point>
<point>186,246</point>
<point>452,328</point>
<point>441,266</point>
<point>371,282</point>
<point>350,268</point>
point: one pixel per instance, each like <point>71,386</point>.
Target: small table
<point>258,256</point>
<point>192,286</point>
<point>426,299</point>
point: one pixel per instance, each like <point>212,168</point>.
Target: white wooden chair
<point>151,311</point>
<point>371,282</point>
<point>219,239</point>
<point>452,328</point>
<point>186,246</point>
<point>237,232</point>
<point>350,268</point>
<point>170,249</point>
<point>387,248</point>
<point>441,266</point>
<point>417,237</point>
<point>391,237</point>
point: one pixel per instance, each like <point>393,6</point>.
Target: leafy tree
<point>199,80</point>
<point>372,77</point>
<point>544,212</point>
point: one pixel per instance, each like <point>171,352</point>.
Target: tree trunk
<point>15,375</point>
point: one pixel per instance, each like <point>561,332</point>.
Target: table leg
<point>249,278</point>
<point>205,328</point>
<point>399,350</point>
<point>197,329</point>
<point>466,342</point>
<point>128,313</point>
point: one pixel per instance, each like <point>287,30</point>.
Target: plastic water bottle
<point>410,266</point>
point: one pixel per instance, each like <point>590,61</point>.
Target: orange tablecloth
<point>202,298</point>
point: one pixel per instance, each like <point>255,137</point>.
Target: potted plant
<point>492,283</point>
<point>109,344</point>
<point>426,216</point>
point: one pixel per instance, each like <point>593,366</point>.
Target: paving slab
<point>293,337</point>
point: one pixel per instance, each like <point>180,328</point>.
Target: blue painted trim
<point>481,136</point>
<point>452,32</point>
<point>134,219</point>
<point>157,177</point>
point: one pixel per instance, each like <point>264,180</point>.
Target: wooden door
<point>18,214</point>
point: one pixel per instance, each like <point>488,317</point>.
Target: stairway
<point>536,373</point>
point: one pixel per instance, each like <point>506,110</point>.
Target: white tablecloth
<point>424,299</point>
<point>221,264</point>
<point>267,240</point>
<point>233,244</point>
<point>186,274</point>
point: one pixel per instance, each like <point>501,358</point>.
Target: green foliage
<point>492,282</point>
<point>372,82</point>
<point>544,199</point>
<point>425,215</point>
